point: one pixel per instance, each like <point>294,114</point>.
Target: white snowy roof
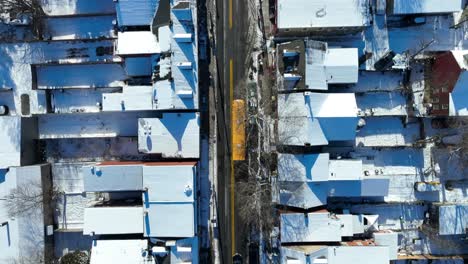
<point>336,255</point>
<point>459,96</point>
<point>136,12</point>
<point>405,7</point>
<point>118,251</point>
<point>110,178</point>
<point>10,141</point>
<point>303,167</point>
<point>293,14</point>
<point>316,118</point>
<point>459,56</point>
<point>303,194</point>
<point>170,199</point>
<point>113,220</point>
<point>390,239</point>
<point>310,227</point>
<point>453,219</point>
<point>345,170</point>
<point>175,135</point>
<point>185,251</point>
<point>137,43</point>
<point>329,65</point>
<point>25,231</point>
<point>132,98</point>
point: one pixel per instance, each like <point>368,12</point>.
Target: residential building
<point>422,7</point>
<point>312,65</point>
<point>300,17</point>
<point>174,135</point>
<point>29,226</point>
<point>18,141</point>
<point>312,119</point>
<point>448,82</point>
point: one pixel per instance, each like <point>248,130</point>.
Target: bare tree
<point>25,7</point>
<point>25,198</point>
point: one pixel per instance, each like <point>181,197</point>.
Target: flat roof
<point>321,13</point>
<point>113,220</point>
<point>175,135</point>
<point>118,251</point>
<point>170,183</point>
<point>345,170</point>
<point>112,178</point>
<point>137,43</point>
<point>405,7</point>
<point>132,98</point>
<point>10,141</point>
<point>310,227</point>
<point>170,220</point>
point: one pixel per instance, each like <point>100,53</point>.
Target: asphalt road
<point>232,25</point>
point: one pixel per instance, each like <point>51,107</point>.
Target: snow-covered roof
<point>329,65</point>
<point>25,232</point>
<point>185,251</point>
<point>459,56</point>
<point>175,135</point>
<point>113,178</point>
<point>132,98</point>
<point>345,170</point>
<point>293,14</point>
<point>310,227</point>
<point>316,118</point>
<point>459,96</point>
<point>336,255</point>
<point>137,43</point>
<point>366,187</point>
<point>389,239</point>
<point>303,194</point>
<point>303,167</point>
<point>10,141</point>
<point>170,200</point>
<point>453,219</point>
<point>57,76</point>
<point>405,7</point>
<point>118,251</point>
<point>113,220</point>
<point>136,12</point>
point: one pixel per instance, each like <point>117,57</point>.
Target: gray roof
<point>108,178</point>
<point>136,12</point>
<point>310,227</point>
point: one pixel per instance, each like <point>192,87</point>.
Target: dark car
<point>237,259</point>
<point>385,62</point>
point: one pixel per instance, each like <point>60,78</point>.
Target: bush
<point>77,257</point>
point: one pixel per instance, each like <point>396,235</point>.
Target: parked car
<point>237,259</point>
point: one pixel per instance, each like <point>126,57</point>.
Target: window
<point>435,107</point>
<point>435,100</point>
<point>445,106</point>
<point>444,89</point>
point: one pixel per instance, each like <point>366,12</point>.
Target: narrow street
<point>231,29</point>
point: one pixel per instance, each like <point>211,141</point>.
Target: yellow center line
<point>230,14</point>
<point>231,98</point>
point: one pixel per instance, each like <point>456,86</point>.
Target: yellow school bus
<point>238,129</point>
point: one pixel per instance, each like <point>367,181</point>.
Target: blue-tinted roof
<point>136,12</point>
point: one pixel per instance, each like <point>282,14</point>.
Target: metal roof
<point>136,12</point>
<point>113,220</point>
<point>292,14</point>
<point>405,7</point>
<point>175,135</point>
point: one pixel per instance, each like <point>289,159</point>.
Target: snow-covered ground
<point>382,104</point>
<point>388,132</point>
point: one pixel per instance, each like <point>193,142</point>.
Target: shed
<point>113,220</point>
<point>174,135</point>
